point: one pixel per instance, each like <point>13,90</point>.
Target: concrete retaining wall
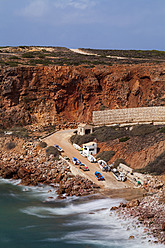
<point>130,115</point>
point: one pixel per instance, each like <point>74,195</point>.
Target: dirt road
<point>61,138</point>
<point>109,56</point>
<point>83,52</point>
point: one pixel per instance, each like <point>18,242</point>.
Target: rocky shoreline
<point>29,162</point>
<point>149,212</point>
<point>33,167</point>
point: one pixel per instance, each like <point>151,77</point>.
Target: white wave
<point>111,237</point>
<point>94,224</point>
<point>10,181</point>
<point>71,209</point>
<point>84,208</point>
<point>106,231</point>
<point>51,240</point>
<point>34,212</point>
<point>28,227</point>
<point>43,193</point>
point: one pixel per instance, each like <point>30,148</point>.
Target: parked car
<point>103,165</point>
<point>92,159</point>
<point>99,176</point>
<point>83,167</point>
<point>58,148</point>
<point>82,154</point>
<point>77,147</point>
<point>75,161</point>
<point>119,175</point>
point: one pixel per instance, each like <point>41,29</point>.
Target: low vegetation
<point>142,130</point>
<point>143,54</point>
<point>105,155</point>
<point>118,161</point>
<point>137,138</point>
<point>42,144</point>
<point>162,130</point>
<point>32,56</point>
<point>10,145</point>
<point>106,133</point>
<point>78,139</point>
<point>157,167</point>
<point>124,139</point>
<point>20,132</point>
<point>51,150</point>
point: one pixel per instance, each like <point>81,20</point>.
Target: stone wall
<point>130,115</point>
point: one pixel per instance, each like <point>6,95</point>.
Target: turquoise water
<point>34,218</point>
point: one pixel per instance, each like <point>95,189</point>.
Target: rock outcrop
<point>32,166</point>
<point>149,212</point>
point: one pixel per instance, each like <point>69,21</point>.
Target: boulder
<point>133,203</point>
<point>163,226</point>
<point>22,172</point>
<point>58,178</point>
<point>113,208</point>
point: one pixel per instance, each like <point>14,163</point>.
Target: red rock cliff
<point>44,95</point>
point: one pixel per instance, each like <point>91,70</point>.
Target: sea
<point>33,217</point>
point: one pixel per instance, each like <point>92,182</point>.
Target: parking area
<point>62,139</point>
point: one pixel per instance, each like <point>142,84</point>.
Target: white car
<point>103,165</point>
<point>76,146</point>
<point>58,148</point>
<point>92,159</point>
<point>82,154</point>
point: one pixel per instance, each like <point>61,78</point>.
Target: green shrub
<point>162,130</point>
<point>20,131</point>
<point>105,155</point>
<point>124,139</point>
<point>51,150</point>
<point>157,167</point>
<point>45,62</point>
<point>14,57</point>
<point>79,139</point>
<point>142,130</point>
<point>11,63</point>
<point>102,107</point>
<point>10,145</point>
<point>28,55</point>
<point>42,144</point>
<point>26,99</point>
<point>2,63</point>
<point>41,56</point>
<point>102,134</point>
<point>118,161</point>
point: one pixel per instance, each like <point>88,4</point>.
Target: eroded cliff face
<point>137,152</point>
<point>58,94</point>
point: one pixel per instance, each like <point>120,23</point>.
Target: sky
<point>96,24</point>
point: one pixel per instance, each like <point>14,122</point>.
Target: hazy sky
<point>108,24</point>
